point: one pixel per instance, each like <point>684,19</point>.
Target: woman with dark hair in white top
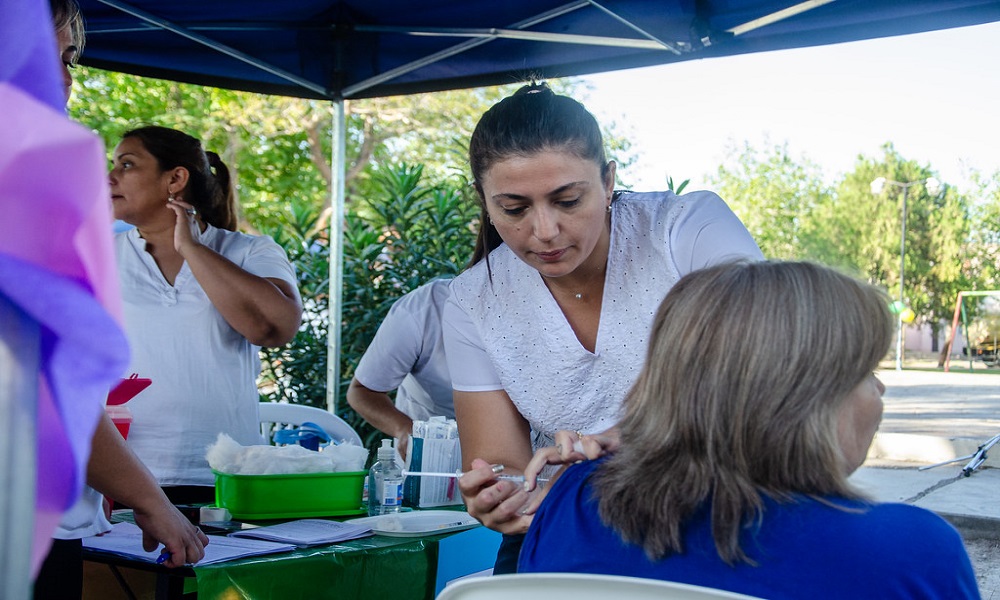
<point>545,330</point>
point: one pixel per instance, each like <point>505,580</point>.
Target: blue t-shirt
<point>803,549</point>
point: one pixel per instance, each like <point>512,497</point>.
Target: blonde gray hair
<point>746,369</point>
<point>66,14</point>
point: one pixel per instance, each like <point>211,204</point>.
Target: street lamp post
<point>932,186</point>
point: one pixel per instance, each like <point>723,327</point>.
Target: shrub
<point>394,241</point>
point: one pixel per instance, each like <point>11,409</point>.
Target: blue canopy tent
<point>368,48</point>
<point>348,49</point>
<point>345,49</point>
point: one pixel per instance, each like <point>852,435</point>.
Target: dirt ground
<point>985,555</point>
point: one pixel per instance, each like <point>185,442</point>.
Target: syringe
<point>457,474</point>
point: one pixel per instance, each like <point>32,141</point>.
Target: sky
<point>935,96</point>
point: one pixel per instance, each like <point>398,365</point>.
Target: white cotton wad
<point>227,456</point>
<point>346,457</point>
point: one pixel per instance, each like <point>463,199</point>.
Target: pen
<point>457,474</point>
<point>163,557</point>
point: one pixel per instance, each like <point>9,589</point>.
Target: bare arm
<point>266,311</point>
<point>378,409</point>
<point>491,428</point>
<point>115,470</point>
<point>492,432</point>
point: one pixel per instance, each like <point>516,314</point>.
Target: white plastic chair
<point>276,414</point>
<point>577,586</point>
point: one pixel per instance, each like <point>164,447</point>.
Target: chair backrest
<point>280,413</point>
<point>577,586</point>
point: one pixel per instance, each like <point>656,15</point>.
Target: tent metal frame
<point>19,336</point>
<point>479,37</point>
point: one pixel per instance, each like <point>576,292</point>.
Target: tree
<point>263,139</point>
<point>772,194</point>
<point>859,231</point>
<point>982,256</point>
<point>279,148</point>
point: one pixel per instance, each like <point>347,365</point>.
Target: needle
<point>457,474</point>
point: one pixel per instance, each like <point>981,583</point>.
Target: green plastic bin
<point>290,496</point>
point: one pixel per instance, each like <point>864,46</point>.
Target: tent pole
<point>338,173</point>
<point>19,354</point>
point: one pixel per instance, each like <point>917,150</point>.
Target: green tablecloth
<point>397,568</point>
<point>370,568</point>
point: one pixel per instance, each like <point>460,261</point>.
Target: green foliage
<point>263,139</point>
<point>862,230</point>
<point>409,234</point>
<point>679,189</point>
<point>279,148</point>
<point>296,372</point>
<point>982,255</point>
<point>793,215</point>
<point>852,229</point>
<point>772,194</point>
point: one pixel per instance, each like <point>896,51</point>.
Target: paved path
<point>949,405</point>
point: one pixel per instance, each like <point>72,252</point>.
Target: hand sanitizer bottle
<point>385,482</point>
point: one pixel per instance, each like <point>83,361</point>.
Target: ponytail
<point>210,187</point>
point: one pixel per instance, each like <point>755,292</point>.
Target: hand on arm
<point>378,409</point>
<point>116,471</point>
<point>573,447</point>
<point>570,448</point>
<point>492,431</point>
<point>266,311</point>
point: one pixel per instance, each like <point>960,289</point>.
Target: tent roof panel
<point>324,49</point>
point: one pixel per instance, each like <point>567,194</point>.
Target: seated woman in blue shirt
<point>756,402</point>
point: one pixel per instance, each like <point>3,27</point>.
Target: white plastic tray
<point>418,522</point>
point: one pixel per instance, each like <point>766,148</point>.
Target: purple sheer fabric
<point>28,48</point>
<point>56,259</point>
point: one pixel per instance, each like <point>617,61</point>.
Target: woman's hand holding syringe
<point>507,510</point>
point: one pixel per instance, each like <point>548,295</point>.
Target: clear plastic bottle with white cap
<point>385,482</point>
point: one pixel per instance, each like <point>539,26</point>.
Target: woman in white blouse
<point>200,299</point>
<point>546,330</point>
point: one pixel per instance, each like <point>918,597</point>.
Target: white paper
<point>307,532</point>
<point>125,539</point>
